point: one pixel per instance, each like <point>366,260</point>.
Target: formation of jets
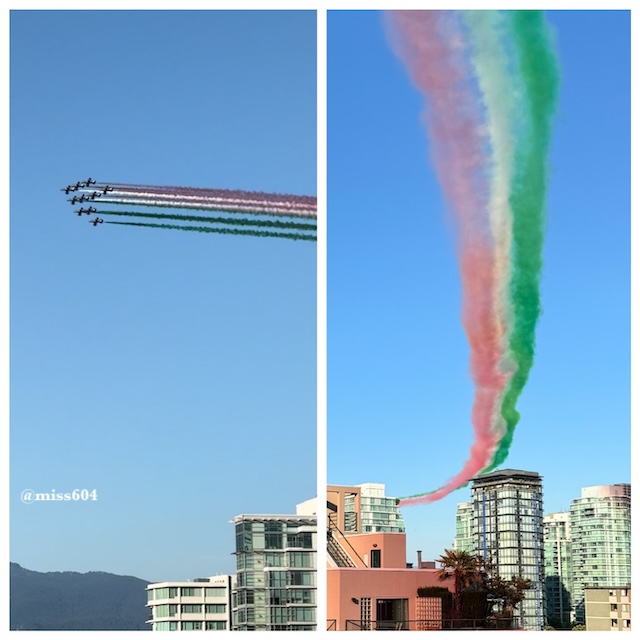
<point>79,185</point>
<point>85,197</point>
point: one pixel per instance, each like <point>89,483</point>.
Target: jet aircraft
<point>105,189</point>
<point>96,221</point>
<point>71,187</point>
<point>88,210</point>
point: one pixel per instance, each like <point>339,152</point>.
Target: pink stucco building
<point>369,583</point>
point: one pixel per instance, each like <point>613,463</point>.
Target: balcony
<point>475,624</point>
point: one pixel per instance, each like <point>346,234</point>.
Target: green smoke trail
<point>237,232</point>
<point>300,226</point>
<point>211,207</point>
<point>540,77</point>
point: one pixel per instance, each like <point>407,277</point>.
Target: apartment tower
<point>600,541</point>
<point>507,528</point>
<point>276,573</point>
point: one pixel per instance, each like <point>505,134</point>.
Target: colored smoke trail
<point>211,206</point>
<point>275,224</point>
<point>216,199</point>
<point>221,194</point>
<point>540,75</point>
<point>496,187</point>
<point>293,213</point>
<point>486,30</point>
<point>236,232</point>
<point>428,43</point>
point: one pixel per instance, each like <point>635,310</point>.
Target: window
<point>302,614</point>
<point>216,608</point>
<point>166,626</point>
<point>273,559</point>
<point>277,579</point>
<point>273,541</point>
<point>614,607</point>
<point>215,592</point>
<point>191,591</point>
<point>191,608</point>
<point>163,594</point>
<point>277,596</point>
<point>303,540</point>
<point>299,596</point>
<point>215,625</point>
<point>192,626</point>
<point>302,578</point>
<point>300,559</point>
<point>162,611</point>
<point>376,560</point>
<point>278,615</point>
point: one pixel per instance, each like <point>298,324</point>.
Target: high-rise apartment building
<point>201,605</point>
<point>557,567</point>
<point>276,573</point>
<point>464,540</point>
<point>378,513</point>
<point>600,541</point>
<point>507,530</point>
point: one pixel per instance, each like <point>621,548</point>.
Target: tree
<point>464,568</point>
<point>507,594</point>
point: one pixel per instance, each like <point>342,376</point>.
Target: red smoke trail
<point>258,197</point>
<point>429,44</point>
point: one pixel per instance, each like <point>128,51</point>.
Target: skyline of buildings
<point>588,546</point>
<point>571,559</point>
<point>274,587</point>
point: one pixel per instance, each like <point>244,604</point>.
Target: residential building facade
<point>203,604</point>
<point>600,523</point>
<point>557,568</point>
<point>464,540</point>
<point>276,579</point>
<point>607,608</point>
<point>507,528</point>
<point>370,585</point>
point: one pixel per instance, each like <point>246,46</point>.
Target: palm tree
<point>464,568</point>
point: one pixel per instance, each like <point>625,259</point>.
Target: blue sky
<point>173,372</point>
<point>399,392</point>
